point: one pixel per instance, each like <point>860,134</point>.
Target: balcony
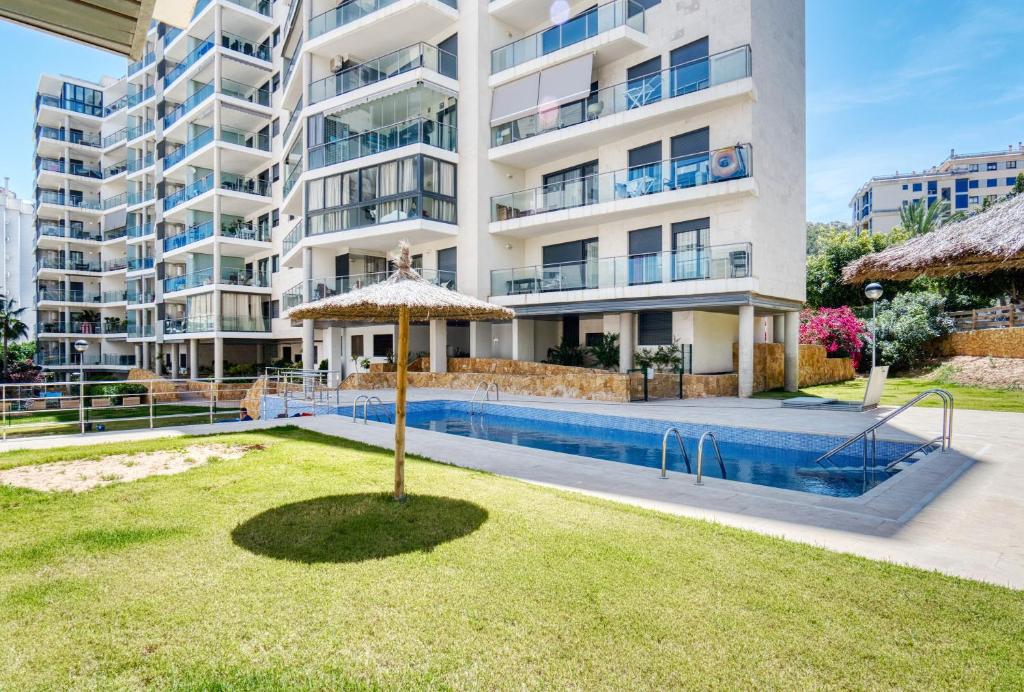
<point>197,97</point>
<point>205,323</point>
<point>140,96</point>
<point>190,191</point>
<point>292,177</point>
<point>245,46</point>
<point>597,21</point>
<point>117,105</point>
<point>52,360</point>
<point>623,109</point>
<point>115,297</point>
<point>140,297</point>
<point>201,49</point>
<point>228,277</point>
<point>420,55</point>
<point>58,263</point>
<point>619,194</point>
<point>140,230</point>
<point>257,6</point>
<point>72,296</point>
<point>244,324</point>
<point>294,118</point>
<point>702,264</point>
<point>115,137</point>
<point>414,131</point>
<point>336,285</point>
<point>189,147</point>
<point>138,264</point>
<point>257,95</point>
<point>115,264</point>
<point>115,201</point>
<point>139,331</point>
<point>138,163</point>
<point>83,170</point>
<point>139,64</point>
<point>85,139</point>
<point>135,197</point>
<point>90,203</point>
<point>115,169</point>
<point>136,131</point>
<point>69,105</point>
<point>115,233</point>
<point>191,235</point>
<point>356,26</point>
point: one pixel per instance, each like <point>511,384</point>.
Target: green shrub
<point>906,324</point>
<point>240,370</point>
<point>566,353</point>
<point>116,391</point>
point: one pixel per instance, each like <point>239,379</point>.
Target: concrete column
<point>218,358</point>
<point>792,347</point>
<point>145,355</point>
<point>522,339</point>
<point>745,337</point>
<point>259,352</point>
<point>158,360</point>
<point>138,355</point>
<point>193,358</point>
<point>779,329</point>
<point>626,341</point>
<point>334,345</point>
<point>438,346</point>
<point>175,360</point>
<point>480,344</point>
<point>308,354</point>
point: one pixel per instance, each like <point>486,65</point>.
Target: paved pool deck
<point>958,512</point>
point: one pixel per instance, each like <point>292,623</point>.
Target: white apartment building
<point>17,218</point>
<point>633,167</point>
<point>964,181</point>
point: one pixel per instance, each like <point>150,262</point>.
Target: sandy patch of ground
<point>84,474</point>
<point>982,371</point>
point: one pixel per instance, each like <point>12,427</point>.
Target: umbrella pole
<point>400,387</point>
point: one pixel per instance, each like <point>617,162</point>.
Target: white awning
<point>566,82</point>
<point>515,99</point>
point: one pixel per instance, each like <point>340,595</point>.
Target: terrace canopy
<point>402,297</point>
<point>119,26</point>
<point>990,241</point>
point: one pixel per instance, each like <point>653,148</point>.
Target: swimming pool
<point>762,457</point>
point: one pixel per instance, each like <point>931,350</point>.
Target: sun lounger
<point>872,396</point>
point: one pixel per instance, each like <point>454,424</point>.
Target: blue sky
<point>891,85</point>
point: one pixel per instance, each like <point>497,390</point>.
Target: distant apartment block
<point>17,219</point>
<point>633,167</point>
<point>963,181</point>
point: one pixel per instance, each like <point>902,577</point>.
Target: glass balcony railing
<point>140,96</point>
<point>117,105</point>
<point>75,296</point>
<point>204,184</point>
<point>84,234</point>
<point>244,324</point>
<point>291,63</point>
<point>84,170</point>
<point>292,238</point>
<point>115,201</point>
<point>348,12</point>
<point>294,173</point>
<point>51,230</point>
<point>373,71</point>
<point>141,297</point>
<point>194,56</point>
<point>244,277</point>
<point>711,262</point>
<point>115,137</point>
<point>644,91</point>
<point>250,186</point>
<point>116,358</point>
<point>587,25</point>
<point>57,359</point>
<point>336,285</point>
<point>250,140</point>
<point>730,163</point>
<point>257,6</point>
<point>46,132</point>
<point>69,105</point>
<point>294,118</point>
<point>136,131</point>
<point>115,296</point>
<point>72,265</point>
<point>189,236</point>
<point>51,165</point>
<point>257,95</point>
<point>76,201</point>
<point>137,264</point>
<point>203,277</point>
<point>139,230</point>
<point>245,230</point>
<point>245,46</point>
<point>414,131</point>
<point>191,146</point>
<point>197,97</point>
<point>115,264</point>
<point>140,196</point>
<point>115,169</point>
<point>139,331</point>
<point>189,325</point>
<point>137,163</point>
<point>115,233</point>
<point>139,64</point>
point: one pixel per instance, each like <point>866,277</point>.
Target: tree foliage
<point>818,229</point>
<point>836,249</point>
<point>919,217</point>
<point>908,322</point>
<point>837,329</point>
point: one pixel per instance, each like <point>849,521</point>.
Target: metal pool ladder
<point>367,400</point>
<point>487,387</point>
<point>945,438</point>
<point>686,455</point>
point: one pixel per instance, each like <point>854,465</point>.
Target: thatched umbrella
<point>986,242</point>
<point>404,296</point>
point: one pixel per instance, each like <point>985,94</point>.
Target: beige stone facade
<point>998,343</point>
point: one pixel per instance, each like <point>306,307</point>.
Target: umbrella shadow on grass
<point>353,528</point>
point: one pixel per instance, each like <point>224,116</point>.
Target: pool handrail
<point>945,438</point>
<point>700,456</point>
<point>664,451</point>
<point>487,386</point>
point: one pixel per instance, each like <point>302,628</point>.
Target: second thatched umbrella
<point>403,297</point>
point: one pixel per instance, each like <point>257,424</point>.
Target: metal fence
<point>66,407</point>
<point>292,392</point>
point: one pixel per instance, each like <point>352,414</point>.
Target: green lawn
<point>899,390</point>
<point>287,568</point>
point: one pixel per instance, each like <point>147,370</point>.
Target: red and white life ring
<point>726,163</point>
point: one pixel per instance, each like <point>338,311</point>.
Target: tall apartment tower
<point>17,218</point>
<point>963,181</point>
<point>633,167</point>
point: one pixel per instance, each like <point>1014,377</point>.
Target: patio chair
<point>872,396</point>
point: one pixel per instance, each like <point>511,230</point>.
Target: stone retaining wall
<point>592,385</point>
<point>998,343</point>
<point>162,390</point>
<point>815,366</point>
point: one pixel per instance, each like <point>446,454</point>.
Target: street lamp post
<point>81,346</point>
<point>873,291</point>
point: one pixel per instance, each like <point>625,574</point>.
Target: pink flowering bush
<point>837,329</point>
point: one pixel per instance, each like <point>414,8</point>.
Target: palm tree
<point>11,326</point>
<point>919,217</point>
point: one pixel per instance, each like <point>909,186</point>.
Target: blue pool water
<point>762,457</point>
